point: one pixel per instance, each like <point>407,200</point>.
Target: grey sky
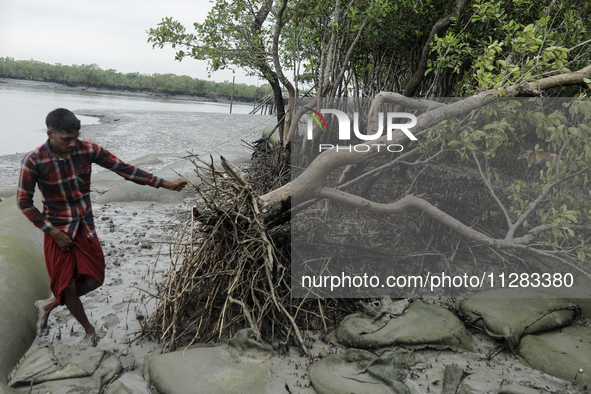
<point>110,33</point>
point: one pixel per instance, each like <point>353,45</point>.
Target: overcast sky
<point>109,33</point>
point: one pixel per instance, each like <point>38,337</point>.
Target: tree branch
<point>279,71</point>
<point>492,192</point>
<point>564,261</point>
<point>307,185</point>
<point>337,81</point>
<point>538,200</point>
<point>438,29</point>
<point>403,205</point>
<point>410,201</point>
<point>581,44</point>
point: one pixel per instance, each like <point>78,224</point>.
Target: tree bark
<point>279,72</point>
<point>264,67</point>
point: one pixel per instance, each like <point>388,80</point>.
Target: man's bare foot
<point>89,339</point>
<point>42,317</point>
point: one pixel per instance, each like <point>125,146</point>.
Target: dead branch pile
<point>227,271</point>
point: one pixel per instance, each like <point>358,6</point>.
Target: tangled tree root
<point>270,169</point>
<point>226,271</point>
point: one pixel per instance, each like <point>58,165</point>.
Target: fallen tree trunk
<point>310,184</point>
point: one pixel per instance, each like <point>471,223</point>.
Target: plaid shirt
<point>65,185</point>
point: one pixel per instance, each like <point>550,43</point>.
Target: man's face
<point>62,142</point>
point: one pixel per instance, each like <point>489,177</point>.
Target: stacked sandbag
<point>238,366</point>
<point>419,326</point>
<point>23,280</point>
<point>66,369</point>
<point>539,329</point>
<point>510,319</point>
<point>361,372</point>
<point>380,341</point>
<point>565,353</point>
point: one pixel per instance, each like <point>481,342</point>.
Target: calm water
<point>23,110</point>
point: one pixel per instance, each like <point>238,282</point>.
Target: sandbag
<point>238,366</point>
<point>565,354</point>
<point>360,371</point>
<point>579,293</point>
<point>420,326</point>
<point>128,383</point>
<point>512,318</point>
<point>66,369</point>
<point>23,280</point>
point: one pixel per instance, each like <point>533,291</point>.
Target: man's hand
<point>63,240</point>
<point>176,185</point>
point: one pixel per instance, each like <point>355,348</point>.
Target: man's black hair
<point>62,119</point>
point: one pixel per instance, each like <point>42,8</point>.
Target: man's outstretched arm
<point>109,161</point>
<point>176,185</point>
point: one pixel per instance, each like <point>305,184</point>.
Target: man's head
<point>62,119</point>
<point>63,128</point>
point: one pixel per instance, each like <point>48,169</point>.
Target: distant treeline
<point>91,75</point>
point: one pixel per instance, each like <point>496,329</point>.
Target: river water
<point>24,106</point>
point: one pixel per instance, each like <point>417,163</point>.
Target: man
<point>73,256</point>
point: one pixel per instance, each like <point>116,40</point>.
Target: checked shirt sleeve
<point>25,192</point>
<point>109,161</point>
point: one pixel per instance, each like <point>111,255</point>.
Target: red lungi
<point>86,258</point>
